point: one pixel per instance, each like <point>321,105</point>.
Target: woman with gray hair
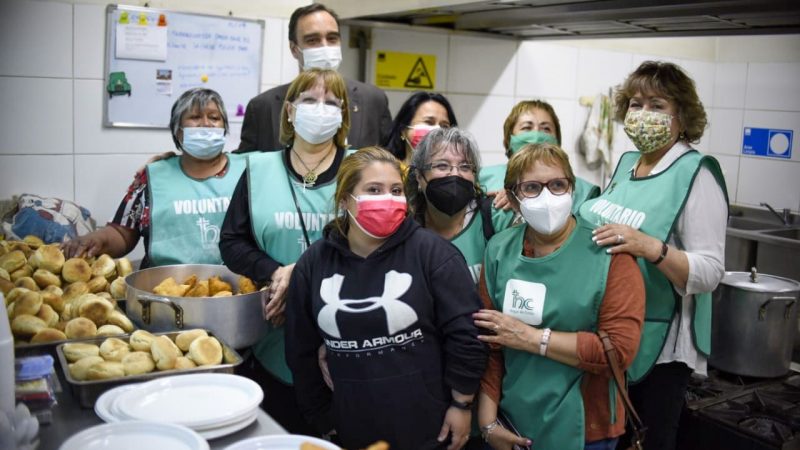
<point>444,194</point>
<point>177,204</point>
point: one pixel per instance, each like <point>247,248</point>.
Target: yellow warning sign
<point>398,70</point>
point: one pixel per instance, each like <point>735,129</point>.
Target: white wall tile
<point>730,170</point>
<point>483,116</point>
<point>349,66</point>
<point>546,70</point>
<point>90,40</point>
<point>730,82</point>
<point>702,72</point>
<point>36,39</point>
<point>421,42</point>
<point>773,86</point>
<point>289,66</point>
<point>92,137</point>
<point>764,180</point>
<point>496,71</point>
<point>273,51</point>
<point>102,180</point>
<point>37,115</point>
<point>725,126</point>
<point>601,70</point>
<point>396,100</point>
<point>45,175</point>
<point>778,120</point>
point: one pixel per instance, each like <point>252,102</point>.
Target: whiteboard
<point>162,53</point>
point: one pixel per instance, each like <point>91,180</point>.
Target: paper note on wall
<point>141,42</point>
<point>398,70</point>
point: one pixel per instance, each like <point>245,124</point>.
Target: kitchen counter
<point>70,418</point>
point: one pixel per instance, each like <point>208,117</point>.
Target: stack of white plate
<point>212,404</point>
<point>286,442</point>
<point>134,435</point>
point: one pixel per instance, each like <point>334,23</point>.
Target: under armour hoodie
<point>399,334</point>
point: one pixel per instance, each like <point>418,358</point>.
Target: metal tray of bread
<point>87,392</point>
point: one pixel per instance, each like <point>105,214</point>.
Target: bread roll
<point>21,246</point>
<point>26,325</point>
<point>13,260</point>
<point>4,274</point>
<point>121,320</point>
<point>95,309</point>
<point>140,340</point>
<point>104,267</point>
<point>118,288</point>
<point>137,363</point>
<point>78,350</point>
<point>205,351</point>
<point>75,290</point>
<point>184,339</point>
<point>33,242</point>
<point>105,370</point>
<point>48,314</point>
<point>76,269</point>
<point>107,296</point>
<point>114,349</point>
<point>48,257</point>
<point>124,267</point>
<point>16,293</point>
<point>79,368</point>
<point>26,282</point>
<point>109,330</point>
<point>48,335</point>
<point>183,363</point>
<point>6,286</point>
<point>80,327</point>
<point>46,278</point>
<point>165,352</point>
<point>97,284</point>
<point>28,302</point>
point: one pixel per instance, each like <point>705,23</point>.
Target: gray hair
<point>435,142</point>
<point>194,98</point>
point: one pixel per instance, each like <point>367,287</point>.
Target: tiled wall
<point>52,141</point>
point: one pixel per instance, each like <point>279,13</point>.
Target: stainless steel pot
<point>754,322</point>
<point>238,320</point>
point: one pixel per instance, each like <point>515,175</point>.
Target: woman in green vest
<point>530,122</point>
<point>666,205</point>
<point>445,197</point>
<point>278,209</point>
<point>548,289</point>
<point>177,204</point>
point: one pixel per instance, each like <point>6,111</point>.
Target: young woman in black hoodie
<point>392,303</point>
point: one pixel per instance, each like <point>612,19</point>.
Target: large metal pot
<point>237,320</point>
<point>754,322</point>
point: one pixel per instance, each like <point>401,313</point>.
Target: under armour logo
<point>398,314</point>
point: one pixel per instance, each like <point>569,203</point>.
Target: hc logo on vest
<point>398,314</point>
<point>209,234</point>
<point>524,300</point>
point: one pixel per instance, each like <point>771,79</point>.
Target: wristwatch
<point>461,405</point>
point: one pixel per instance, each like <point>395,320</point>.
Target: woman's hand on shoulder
<point>500,199</point>
<point>624,239</point>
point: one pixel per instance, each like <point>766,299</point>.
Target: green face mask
<point>530,137</point>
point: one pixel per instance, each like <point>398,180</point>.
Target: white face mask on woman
<point>547,213</point>
<point>203,142</point>
<point>318,122</point>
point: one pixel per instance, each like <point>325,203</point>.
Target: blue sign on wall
<point>767,142</point>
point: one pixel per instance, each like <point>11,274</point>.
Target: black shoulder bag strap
<point>485,210</point>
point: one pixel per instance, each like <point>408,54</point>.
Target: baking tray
<point>87,392</point>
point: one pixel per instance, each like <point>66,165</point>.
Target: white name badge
<point>524,300</point>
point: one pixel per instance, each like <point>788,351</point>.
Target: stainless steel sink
<point>741,223</point>
<point>788,233</point>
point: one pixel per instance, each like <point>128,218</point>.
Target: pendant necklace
<point>311,175</point>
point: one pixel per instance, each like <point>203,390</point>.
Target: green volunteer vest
<point>278,231</point>
<point>491,179</point>
<point>471,241</point>
<point>542,397</point>
<point>653,205</point>
<point>186,214</point>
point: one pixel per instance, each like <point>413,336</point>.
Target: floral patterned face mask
<point>649,130</point>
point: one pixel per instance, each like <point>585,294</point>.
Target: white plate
<point>196,400</point>
<point>214,433</point>
<point>136,436</point>
<point>283,442</point>
<point>102,406</point>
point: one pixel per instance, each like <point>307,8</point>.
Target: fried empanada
<point>200,289</point>
<point>215,284</point>
<point>246,285</point>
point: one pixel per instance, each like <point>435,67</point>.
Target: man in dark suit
<point>314,41</point>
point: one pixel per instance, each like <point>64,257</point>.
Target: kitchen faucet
<point>785,218</point>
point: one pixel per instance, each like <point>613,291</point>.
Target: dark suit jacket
<point>370,119</point>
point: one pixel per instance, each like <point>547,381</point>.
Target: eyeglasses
<point>442,168</point>
<point>532,189</point>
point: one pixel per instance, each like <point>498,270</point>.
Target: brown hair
<point>301,12</point>
<point>349,176</point>
<point>334,83</point>
<point>520,109</point>
<point>523,160</point>
<point>668,80</point>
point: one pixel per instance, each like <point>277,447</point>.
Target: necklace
<point>311,175</point>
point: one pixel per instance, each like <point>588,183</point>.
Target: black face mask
<point>450,194</point>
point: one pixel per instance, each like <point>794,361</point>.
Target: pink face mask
<point>420,131</point>
<point>379,216</point>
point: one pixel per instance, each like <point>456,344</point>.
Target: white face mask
<point>203,142</point>
<point>318,122</point>
<point>546,213</point>
<point>328,57</point>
